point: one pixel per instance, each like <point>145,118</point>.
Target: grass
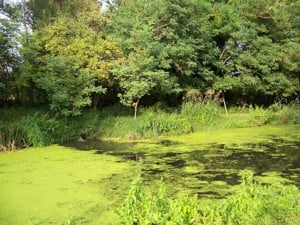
<point>191,117</point>
<point>27,127</point>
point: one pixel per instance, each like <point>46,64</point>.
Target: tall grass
<point>201,116</point>
<point>154,121</point>
<point>151,122</point>
<point>251,204</point>
<point>190,117</point>
<point>23,127</point>
<point>31,127</point>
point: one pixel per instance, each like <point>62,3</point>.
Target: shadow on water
<point>261,158</point>
<point>216,164</point>
<point>109,147</point>
<point>99,145</point>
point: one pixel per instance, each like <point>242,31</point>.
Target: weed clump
<point>251,204</point>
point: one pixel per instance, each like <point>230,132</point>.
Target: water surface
<point>83,183</point>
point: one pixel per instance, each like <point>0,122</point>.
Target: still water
<point>84,182</point>
<point>211,167</point>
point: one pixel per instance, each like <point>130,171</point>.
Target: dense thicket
<point>140,52</point>
<point>251,204</point>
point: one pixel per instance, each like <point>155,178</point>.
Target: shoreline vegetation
<point>31,127</point>
<point>251,204</point>
<point>89,71</point>
<point>271,202</point>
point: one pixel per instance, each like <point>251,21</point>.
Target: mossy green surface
<point>83,183</point>
<point>56,185</point>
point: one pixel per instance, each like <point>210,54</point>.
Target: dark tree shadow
<point>99,146</point>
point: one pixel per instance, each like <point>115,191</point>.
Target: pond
<point>84,182</point>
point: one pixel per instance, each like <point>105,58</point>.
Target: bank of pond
<point>249,175</point>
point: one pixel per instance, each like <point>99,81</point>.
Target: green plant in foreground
<point>251,204</point>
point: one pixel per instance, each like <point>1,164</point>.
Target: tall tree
<point>70,59</point>
<point>9,57</point>
<point>144,67</point>
<point>257,52</point>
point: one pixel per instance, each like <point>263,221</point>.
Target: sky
<point>11,1</point>
<point>15,1</point>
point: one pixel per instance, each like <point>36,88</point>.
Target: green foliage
<point>150,123</point>
<point>200,115</point>
<point>70,59</point>
<point>285,114</point>
<point>141,72</point>
<point>24,128</point>
<point>71,90</point>
<point>235,120</point>
<point>167,124</point>
<point>258,116</point>
<point>21,127</point>
<point>140,49</point>
<point>252,203</point>
<point>154,121</point>
<point>37,130</point>
<point>9,46</point>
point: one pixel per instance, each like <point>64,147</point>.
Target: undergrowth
<point>251,204</point>
<point>24,127</point>
<point>191,117</point>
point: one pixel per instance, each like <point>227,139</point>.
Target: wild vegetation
<point>140,69</point>
<point>25,127</point>
<point>251,204</point>
<point>70,55</point>
<point>64,57</point>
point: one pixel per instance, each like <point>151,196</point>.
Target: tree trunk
<point>135,105</point>
<point>95,101</point>
<point>224,102</point>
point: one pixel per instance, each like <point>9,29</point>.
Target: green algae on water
<point>54,185</point>
<point>83,183</point>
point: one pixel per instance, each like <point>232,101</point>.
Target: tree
<point>143,68</point>
<point>68,87</point>
<point>72,59</point>
<point>137,77</point>
<point>256,53</point>
<point>9,57</point>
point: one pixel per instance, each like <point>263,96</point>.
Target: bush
<point>200,115</point>
<point>149,123</point>
<point>288,114</point>
<point>23,128</point>
<point>37,130</point>
<point>258,116</point>
<point>251,204</point>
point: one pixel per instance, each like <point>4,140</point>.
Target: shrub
<point>23,128</point>
<point>288,114</point>
<point>258,116</point>
<point>200,115</point>
<point>251,204</point>
<point>37,130</point>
